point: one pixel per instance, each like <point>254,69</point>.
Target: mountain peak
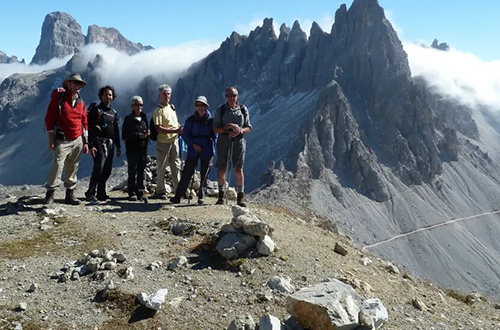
<point>61,34</point>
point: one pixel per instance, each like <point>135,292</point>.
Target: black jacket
<point>131,130</point>
<point>103,123</point>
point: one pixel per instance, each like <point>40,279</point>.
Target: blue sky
<point>469,26</point>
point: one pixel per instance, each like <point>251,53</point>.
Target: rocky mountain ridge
<point>358,140</point>
<point>9,59</point>
<point>62,35</point>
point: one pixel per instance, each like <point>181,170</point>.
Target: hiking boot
<point>145,199</point>
<point>49,197</point>
<point>89,196</point>
<point>102,197</point>
<point>240,200</point>
<point>132,198</point>
<point>160,196</point>
<point>175,200</point>
<point>201,201</point>
<point>220,201</point>
<point>70,198</point>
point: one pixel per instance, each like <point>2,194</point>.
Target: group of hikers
<point>73,129</point>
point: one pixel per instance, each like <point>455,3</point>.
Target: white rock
<point>281,284</point>
<point>231,193</point>
<point>374,309</point>
<point>328,305</point>
<point>365,261</point>
<point>155,301</point>
<point>45,220</point>
<point>265,246</point>
<point>242,322</point>
<point>178,262</point>
<point>129,276</point>
<point>234,245</point>
<point>46,227</point>
<point>270,322</point>
<point>238,210</point>
<point>22,306</point>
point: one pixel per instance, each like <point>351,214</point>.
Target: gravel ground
<point>208,293</point>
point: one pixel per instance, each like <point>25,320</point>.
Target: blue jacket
<point>199,130</point>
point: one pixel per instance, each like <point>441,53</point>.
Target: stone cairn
<point>245,236</point>
<point>94,263</point>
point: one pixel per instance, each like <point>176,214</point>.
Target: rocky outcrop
<point>440,46</point>
<point>113,38</point>
<point>7,60</point>
<point>61,34</point>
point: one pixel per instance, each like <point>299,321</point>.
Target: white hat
<point>201,99</point>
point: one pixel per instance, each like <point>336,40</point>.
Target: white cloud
<point>125,72</point>
<point>456,74</point>
<point>8,69</point>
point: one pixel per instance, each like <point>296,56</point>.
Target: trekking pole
<point>228,169</point>
<point>192,182</point>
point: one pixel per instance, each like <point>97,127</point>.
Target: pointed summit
<point>61,34</point>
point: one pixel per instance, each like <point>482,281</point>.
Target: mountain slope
<point>360,142</point>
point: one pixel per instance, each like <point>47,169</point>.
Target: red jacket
<point>72,120</point>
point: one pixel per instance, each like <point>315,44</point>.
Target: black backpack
<point>153,133</point>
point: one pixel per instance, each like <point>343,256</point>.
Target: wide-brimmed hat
<point>75,77</point>
<point>201,99</point>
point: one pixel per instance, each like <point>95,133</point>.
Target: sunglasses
<point>138,104</point>
<point>231,95</point>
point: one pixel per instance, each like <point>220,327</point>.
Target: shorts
<point>237,153</point>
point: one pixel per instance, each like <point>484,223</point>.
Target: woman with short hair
<point>135,132</point>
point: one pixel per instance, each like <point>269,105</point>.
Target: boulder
<point>326,306</point>
<point>235,245</point>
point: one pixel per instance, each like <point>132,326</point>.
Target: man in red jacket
<point>66,124</point>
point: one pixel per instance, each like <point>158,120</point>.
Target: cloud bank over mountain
<point>11,68</point>
<point>125,72</point>
<point>456,74</point>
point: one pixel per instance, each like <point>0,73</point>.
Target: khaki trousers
<point>66,154</point>
<point>167,152</point>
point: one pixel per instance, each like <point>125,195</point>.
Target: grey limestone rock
<point>113,38</point>
<point>61,34</point>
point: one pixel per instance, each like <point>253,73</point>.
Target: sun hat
<point>75,77</point>
<point>202,99</point>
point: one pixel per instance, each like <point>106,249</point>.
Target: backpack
<point>153,133</point>
<point>243,109</point>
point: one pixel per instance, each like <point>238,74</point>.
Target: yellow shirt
<point>166,117</point>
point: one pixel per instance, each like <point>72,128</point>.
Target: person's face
<point>137,108</point>
<point>232,98</point>
<point>165,97</point>
<point>75,86</point>
<point>201,109</point>
<point>107,97</point>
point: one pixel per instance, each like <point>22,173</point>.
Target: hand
<point>235,131</point>
<point>93,151</point>
<point>197,147</point>
<point>85,148</point>
<point>52,145</point>
<point>179,129</point>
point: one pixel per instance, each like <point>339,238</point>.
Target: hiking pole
<point>228,169</point>
<point>192,182</point>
